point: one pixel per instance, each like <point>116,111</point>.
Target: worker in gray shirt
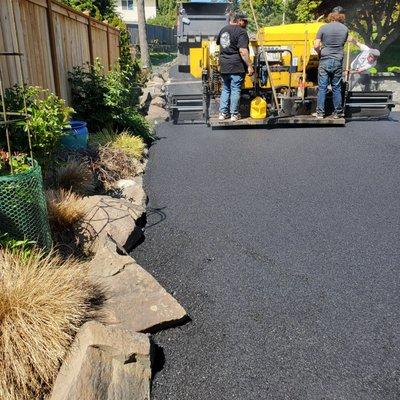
<point>329,43</point>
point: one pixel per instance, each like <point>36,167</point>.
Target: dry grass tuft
<point>43,301</point>
<point>77,176</point>
<point>65,208</point>
<point>132,145</point>
<point>114,164</point>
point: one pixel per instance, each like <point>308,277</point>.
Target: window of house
<point>127,4</point>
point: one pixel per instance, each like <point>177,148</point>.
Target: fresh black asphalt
<point>283,246</point>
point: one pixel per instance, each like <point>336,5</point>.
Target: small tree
<point>144,47</point>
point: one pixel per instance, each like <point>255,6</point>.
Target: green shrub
<point>48,116</point>
<point>88,88</point>
<point>373,71</point>
<point>107,100</point>
<point>393,69</point>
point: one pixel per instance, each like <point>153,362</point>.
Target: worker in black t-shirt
<point>234,63</point>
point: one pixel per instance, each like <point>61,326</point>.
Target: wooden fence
<point>53,39</point>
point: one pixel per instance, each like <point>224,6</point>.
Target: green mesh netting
<point>23,209</point>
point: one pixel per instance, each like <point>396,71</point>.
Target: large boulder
<point>157,114</point>
<point>105,363</point>
<point>135,300</point>
<point>165,75</point>
<point>109,217</point>
<point>159,102</point>
<point>156,89</point>
<point>158,79</point>
<point>132,190</point>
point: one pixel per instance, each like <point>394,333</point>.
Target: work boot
<point>318,115</point>
<point>223,116</point>
<point>235,117</point>
<point>338,115</point>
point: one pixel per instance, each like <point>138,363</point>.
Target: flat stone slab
<point>135,300</point>
<point>110,217</point>
<point>105,363</point>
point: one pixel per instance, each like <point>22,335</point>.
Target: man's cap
<point>338,10</point>
<point>241,15</point>
<point>374,52</point>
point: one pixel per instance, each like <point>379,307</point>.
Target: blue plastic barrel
<point>75,137</point>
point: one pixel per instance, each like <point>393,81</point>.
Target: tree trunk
<point>144,48</point>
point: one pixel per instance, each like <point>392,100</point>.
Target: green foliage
<point>107,100</point>
<point>157,58</point>
<point>134,146</point>
<point>88,88</point>
<point>24,247</point>
<point>100,9</point>
<point>268,12</point>
<point>48,116</point>
<point>166,14</point>
<point>102,137</point>
<point>19,162</point>
<point>393,69</point>
<point>125,60</point>
<point>305,10</point>
<point>373,71</point>
<point>390,57</point>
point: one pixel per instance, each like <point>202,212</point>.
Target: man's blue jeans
<point>330,71</point>
<point>230,96</point>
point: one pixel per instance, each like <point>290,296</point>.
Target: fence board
<point>71,36</point>
<point>99,37</point>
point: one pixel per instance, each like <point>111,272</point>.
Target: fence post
<point>108,49</point>
<point>91,59</point>
<point>53,49</point>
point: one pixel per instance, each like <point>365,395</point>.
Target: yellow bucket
<point>258,108</point>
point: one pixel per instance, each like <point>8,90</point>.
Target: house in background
<point>128,10</point>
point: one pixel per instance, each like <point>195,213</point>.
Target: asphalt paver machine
<point>283,89</point>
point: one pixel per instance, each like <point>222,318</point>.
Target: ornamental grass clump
<point>65,208</point>
<point>102,137</point>
<point>132,145</point>
<point>43,302</point>
<point>77,176</point>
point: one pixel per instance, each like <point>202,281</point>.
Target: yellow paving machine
<point>283,89</point>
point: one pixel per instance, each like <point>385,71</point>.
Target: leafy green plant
<point>107,100</point>
<point>88,89</point>
<point>19,162</point>
<point>393,69</point>
<point>373,71</point>
<point>48,116</point>
<point>24,247</point>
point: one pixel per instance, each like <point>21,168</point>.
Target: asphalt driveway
<point>283,246</point>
